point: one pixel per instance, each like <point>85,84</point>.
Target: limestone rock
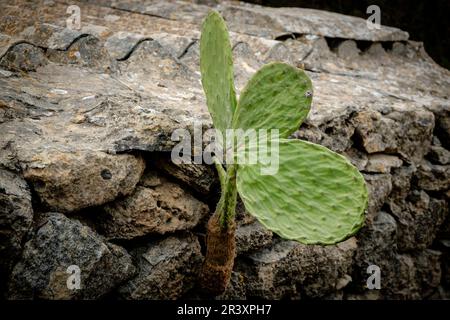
<point>73,181</point>
<point>162,209</point>
<point>58,243</point>
<point>382,163</point>
<point>166,269</point>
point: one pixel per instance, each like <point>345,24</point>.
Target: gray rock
<point>16,216</point>
<point>376,246</point>
<point>235,289</point>
<point>288,269</point>
<point>392,132</point>
<point>158,210</point>
<point>23,57</point>
<point>403,276</point>
<point>428,271</point>
<point>166,269</point>
<point>70,181</point>
<point>357,158</point>
<point>421,275</point>
<point>250,237</point>
<point>269,22</point>
<point>379,187</point>
<point>433,177</point>
<point>347,50</point>
<point>439,155</point>
<point>418,219</point>
<point>382,163</point>
<point>200,178</point>
<point>120,86</point>
<point>401,183</point>
<point>150,179</point>
<point>58,243</point>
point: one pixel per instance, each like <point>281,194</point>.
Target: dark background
<point>426,21</point>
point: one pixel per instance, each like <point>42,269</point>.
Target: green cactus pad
<point>278,96</point>
<point>216,66</point>
<point>317,196</point>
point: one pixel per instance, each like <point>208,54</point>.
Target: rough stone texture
<point>166,269</point>
<point>433,177</point>
<point>16,215</point>
<point>73,181</point>
<point>379,187</point>
<point>158,210</point>
<point>253,236</point>
<point>200,178</point>
<point>58,243</point>
<point>289,270</point>
<point>418,219</point>
<point>80,110</point>
<point>382,163</point>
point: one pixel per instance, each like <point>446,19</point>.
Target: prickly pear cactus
<point>316,196</point>
<point>278,96</point>
<point>216,66</point>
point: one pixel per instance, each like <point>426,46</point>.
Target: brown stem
<point>220,252</point>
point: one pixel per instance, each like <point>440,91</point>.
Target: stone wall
<point>86,179</point>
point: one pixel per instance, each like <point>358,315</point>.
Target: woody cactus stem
<point>220,238</point>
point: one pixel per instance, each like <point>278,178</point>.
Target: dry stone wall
<point>86,118</point>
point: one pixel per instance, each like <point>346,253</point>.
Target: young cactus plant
<point>316,196</point>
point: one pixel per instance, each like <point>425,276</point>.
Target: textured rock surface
<point>82,112</point>
<point>290,269</point>
<point>162,209</point>
<point>252,236</point>
<point>58,243</point>
<point>73,181</point>
<point>166,269</point>
<point>16,215</point>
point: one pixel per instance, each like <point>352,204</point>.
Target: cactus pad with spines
<point>317,196</point>
<point>278,96</point>
<point>216,66</point>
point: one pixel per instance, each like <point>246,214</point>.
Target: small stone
<point>439,155</point>
<point>348,50</point>
<point>382,163</point>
